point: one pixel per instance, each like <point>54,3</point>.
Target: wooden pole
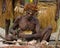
<point>57,37</point>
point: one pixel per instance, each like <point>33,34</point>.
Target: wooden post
<point>57,15</point>
<point>8,15</point>
<point>35,2</point>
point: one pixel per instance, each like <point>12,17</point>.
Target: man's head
<point>30,9</point>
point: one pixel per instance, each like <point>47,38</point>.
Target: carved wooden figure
<point>29,22</point>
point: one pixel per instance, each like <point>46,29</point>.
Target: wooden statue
<point>29,22</point>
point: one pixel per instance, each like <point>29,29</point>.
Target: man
<point>29,22</point>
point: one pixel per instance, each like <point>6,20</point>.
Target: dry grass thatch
<point>9,9</point>
<point>1,16</point>
<point>46,16</point>
<point>17,11</point>
<point>7,14</point>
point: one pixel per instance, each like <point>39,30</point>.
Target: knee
<point>49,29</point>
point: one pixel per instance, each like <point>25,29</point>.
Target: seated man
<point>29,22</point>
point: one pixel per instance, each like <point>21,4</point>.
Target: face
<point>30,13</point>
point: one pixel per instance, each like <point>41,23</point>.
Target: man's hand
<point>14,32</point>
<point>21,35</point>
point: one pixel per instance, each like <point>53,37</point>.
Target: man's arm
<point>37,29</point>
<point>14,26</point>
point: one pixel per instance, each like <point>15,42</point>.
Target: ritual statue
<point>27,26</point>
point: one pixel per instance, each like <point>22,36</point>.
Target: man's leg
<point>7,23</point>
<point>45,35</point>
